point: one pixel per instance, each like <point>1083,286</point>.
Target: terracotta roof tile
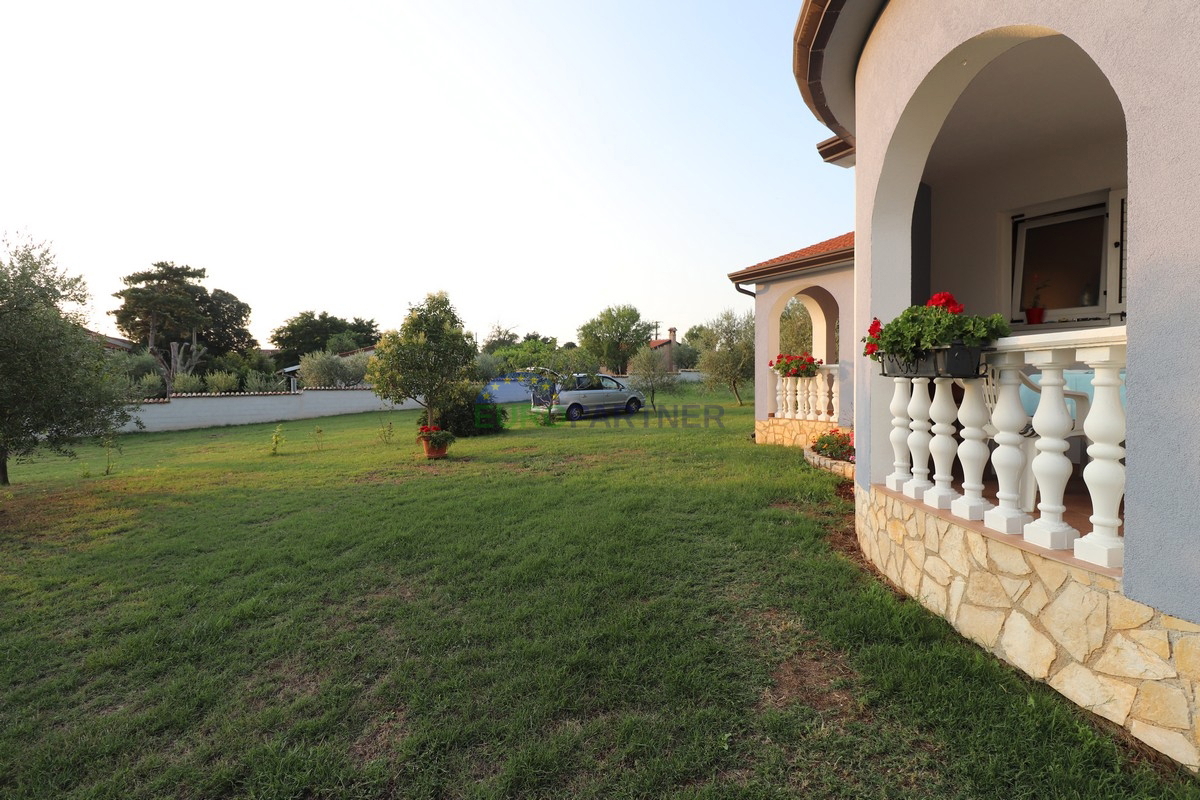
<point>828,246</point>
<point>817,255</point>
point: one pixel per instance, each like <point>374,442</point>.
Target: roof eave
<point>808,264</point>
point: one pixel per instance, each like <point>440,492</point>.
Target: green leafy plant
<point>263,382</point>
<point>277,440</point>
<point>466,413</point>
<point>836,444</point>
<point>318,437</point>
<point>187,383</point>
<point>385,433</point>
<point>435,436</point>
<point>221,382</point>
<point>918,329</point>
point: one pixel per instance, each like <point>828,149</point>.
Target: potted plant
<point>435,441</point>
<point>933,340</point>
<point>1035,313</point>
<point>801,366</point>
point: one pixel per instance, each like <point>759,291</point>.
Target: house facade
<point>1007,149</point>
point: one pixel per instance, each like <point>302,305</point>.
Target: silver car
<point>583,395</point>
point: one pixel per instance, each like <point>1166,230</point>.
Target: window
<point>1071,262</point>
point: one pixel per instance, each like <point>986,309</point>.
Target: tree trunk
<point>735,394</point>
<point>3,467</point>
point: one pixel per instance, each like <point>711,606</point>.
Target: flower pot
<point>1035,316</point>
<point>434,451</point>
<point>959,361</point>
<point>925,366</point>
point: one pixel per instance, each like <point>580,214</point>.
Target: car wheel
<point>575,413</point>
<point>633,406</point>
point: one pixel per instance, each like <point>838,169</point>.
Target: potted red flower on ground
<point>435,440</point>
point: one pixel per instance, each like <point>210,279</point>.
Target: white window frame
<point>1109,303</point>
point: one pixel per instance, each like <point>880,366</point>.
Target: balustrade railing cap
<point>1086,337</point>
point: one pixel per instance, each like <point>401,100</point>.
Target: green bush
<point>466,414</point>
<point>221,382</point>
<point>187,383</point>
<point>149,386</point>
<point>264,382</point>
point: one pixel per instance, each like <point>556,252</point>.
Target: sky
<point>538,160</point>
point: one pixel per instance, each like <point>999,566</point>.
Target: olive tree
<point>727,351</point>
<point>57,384</point>
<point>650,373</point>
<point>425,359</point>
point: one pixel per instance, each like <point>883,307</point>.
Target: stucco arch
<point>885,278</point>
<point>822,308</point>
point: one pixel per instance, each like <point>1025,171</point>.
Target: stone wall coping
<point>1016,540</point>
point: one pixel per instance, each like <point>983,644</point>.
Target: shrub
<point>354,369</point>
<point>836,444</point>
<point>149,385</point>
<point>264,382</point>
<point>220,382</point>
<point>466,414</point>
<point>321,369</point>
<point>187,383</point>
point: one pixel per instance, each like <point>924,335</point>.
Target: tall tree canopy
<point>309,332</point>
<point>614,335</point>
<point>425,359</point>
<point>57,385</point>
<point>166,303</point>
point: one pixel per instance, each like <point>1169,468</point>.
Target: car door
<point>612,394</point>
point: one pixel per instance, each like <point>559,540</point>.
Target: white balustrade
<point>1009,419</point>
<point>943,447</point>
<point>1051,467</point>
<point>973,452</point>
<point>901,472</point>
<point>811,407</point>
<point>821,381</point>
<point>789,391</point>
<point>835,393</point>
<point>1105,474</point>
<point>780,395</point>
<point>918,439</point>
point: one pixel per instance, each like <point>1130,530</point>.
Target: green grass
<point>603,610</point>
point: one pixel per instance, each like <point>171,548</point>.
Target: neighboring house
<point>113,342</point>
<point>992,139</point>
<point>668,346</point>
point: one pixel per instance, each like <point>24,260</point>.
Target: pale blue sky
<point>537,159</point>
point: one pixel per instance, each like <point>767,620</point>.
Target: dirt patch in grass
<point>381,737</point>
<point>814,675</point>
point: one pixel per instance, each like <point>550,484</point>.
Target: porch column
<point>1009,419</point>
<point>918,439</point>
<point>1051,467</point>
<point>901,393</point>
<point>943,446</point>
<point>1104,474</point>
<point>973,452</point>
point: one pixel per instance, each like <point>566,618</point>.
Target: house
<point>668,346</point>
<point>1001,148</point>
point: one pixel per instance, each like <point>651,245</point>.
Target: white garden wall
<point>184,412</point>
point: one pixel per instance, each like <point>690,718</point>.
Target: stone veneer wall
<point>1059,620</point>
<point>842,468</point>
<point>789,432</point>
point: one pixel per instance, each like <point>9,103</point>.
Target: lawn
<point>617,608</point>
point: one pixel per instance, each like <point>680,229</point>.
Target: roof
<point>821,254</point>
<point>657,343</point>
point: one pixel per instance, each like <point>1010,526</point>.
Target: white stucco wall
<point>206,411</point>
<point>918,59</point>
<point>770,299</point>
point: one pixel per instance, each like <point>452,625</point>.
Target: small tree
<point>614,335</point>
<point>425,358</point>
<point>727,357</point>
<point>650,373</point>
<point>57,385</point>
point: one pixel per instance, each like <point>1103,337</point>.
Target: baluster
<point>1104,474</point>
<point>1051,467</point>
<point>780,395</point>
<point>901,474</point>
<point>973,452</point>
<point>811,385</point>
<point>1009,419</point>
<point>835,382</point>
<point>822,381</point>
<point>943,446</point>
<point>790,397</point>
<point>918,439</point>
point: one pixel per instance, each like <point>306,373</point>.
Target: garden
<point>626,606</point>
